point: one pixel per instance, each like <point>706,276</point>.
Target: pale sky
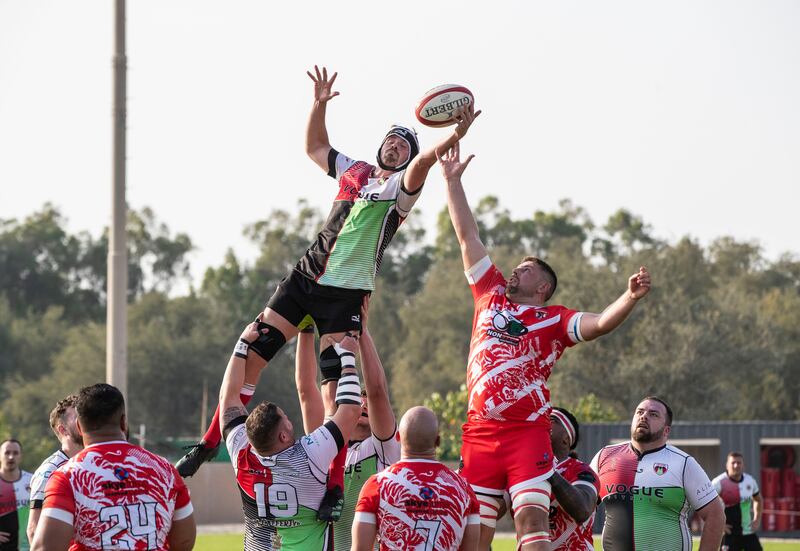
<point>685,113</point>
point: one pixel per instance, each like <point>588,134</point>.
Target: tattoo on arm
<point>232,413</point>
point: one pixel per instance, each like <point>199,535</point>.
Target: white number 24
<point>139,519</point>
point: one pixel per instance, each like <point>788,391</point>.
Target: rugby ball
<point>437,105</point>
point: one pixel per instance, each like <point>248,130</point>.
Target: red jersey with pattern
<point>418,504</point>
<point>565,533</point>
<point>117,496</point>
<point>512,351</point>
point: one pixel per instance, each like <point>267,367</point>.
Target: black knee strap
<point>268,344</point>
<point>330,364</point>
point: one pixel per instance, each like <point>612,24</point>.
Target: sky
<point>686,113</point>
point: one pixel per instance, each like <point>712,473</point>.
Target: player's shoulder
<point>675,452</point>
<point>719,478</point>
<point>615,449</point>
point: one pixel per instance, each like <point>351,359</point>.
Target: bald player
<point>417,503</point>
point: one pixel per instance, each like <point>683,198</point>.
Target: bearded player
<point>339,268</point>
<point>516,340</point>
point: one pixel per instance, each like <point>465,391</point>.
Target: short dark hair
<point>262,426</point>
<point>549,272</point>
<point>13,441</point>
<point>57,415</point>
<point>99,406</point>
<point>574,424</point>
<point>735,454</point>
<point>663,403</point>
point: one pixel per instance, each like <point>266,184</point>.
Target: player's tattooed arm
<point>578,501</point>
<point>232,413</point>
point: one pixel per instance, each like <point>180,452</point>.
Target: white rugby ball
<point>437,105</point>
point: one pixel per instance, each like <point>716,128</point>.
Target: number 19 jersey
<point>281,493</point>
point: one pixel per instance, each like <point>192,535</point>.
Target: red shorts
<point>501,457</point>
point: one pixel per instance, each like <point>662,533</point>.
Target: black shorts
<point>333,309</point>
<point>740,543</point>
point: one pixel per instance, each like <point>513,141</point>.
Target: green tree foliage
<point>718,335</point>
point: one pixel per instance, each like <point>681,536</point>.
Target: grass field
<point>230,542</point>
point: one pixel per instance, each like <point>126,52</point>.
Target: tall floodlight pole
<point>116,309</point>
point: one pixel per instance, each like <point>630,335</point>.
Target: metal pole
<point>116,309</point>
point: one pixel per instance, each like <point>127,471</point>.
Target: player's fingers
<point>469,160</point>
<point>311,76</point>
<point>316,70</point>
<point>324,73</point>
<point>333,78</point>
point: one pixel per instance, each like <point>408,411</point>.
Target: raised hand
<point>322,84</point>
<point>464,117</point>
<point>639,283</point>
<point>251,333</point>
<point>452,167</point>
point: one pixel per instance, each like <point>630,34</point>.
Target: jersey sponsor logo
<point>368,196</point>
<point>634,490</point>
<point>506,328</point>
<point>426,493</point>
<point>660,468</point>
<point>120,473</point>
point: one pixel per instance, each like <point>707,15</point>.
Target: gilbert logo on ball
<point>437,105</point>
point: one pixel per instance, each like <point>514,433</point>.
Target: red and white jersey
<point>565,533</point>
<point>117,496</point>
<point>418,504</point>
<point>513,350</point>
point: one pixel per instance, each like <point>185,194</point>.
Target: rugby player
<point>113,495</point>
<point>282,480</point>
<point>417,503</point>
<point>516,341</point>
<point>64,422</point>
<point>15,491</point>
<point>648,488</point>
<point>743,505</point>
<point>328,283</point>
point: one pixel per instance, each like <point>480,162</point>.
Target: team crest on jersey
<point>120,473</point>
<point>660,468</point>
<point>426,493</point>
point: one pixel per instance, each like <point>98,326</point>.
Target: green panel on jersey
<point>747,519</point>
<point>657,519</point>
<point>22,514</point>
<point>351,264</point>
<point>302,531</point>
<point>354,479</point>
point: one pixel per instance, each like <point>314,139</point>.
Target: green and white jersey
<point>281,493</point>
<point>14,510</point>
<point>648,496</point>
<point>364,459</point>
<point>738,498</point>
<point>364,217</point>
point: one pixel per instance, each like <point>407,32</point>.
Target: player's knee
<point>330,364</point>
<point>268,344</point>
<point>535,498</point>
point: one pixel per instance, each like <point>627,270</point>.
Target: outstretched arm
<point>317,144</point>
<point>472,248</point>
<point>713,517</point>
<point>597,325</point>
<point>305,378</point>
<point>418,169</point>
<point>229,400</point>
<point>381,417</point>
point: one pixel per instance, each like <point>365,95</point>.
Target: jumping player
<point>374,444</point>
<point>113,495</point>
<point>417,503</point>
<point>516,341</point>
<point>64,422</point>
<point>282,480</point>
<point>339,268</point>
